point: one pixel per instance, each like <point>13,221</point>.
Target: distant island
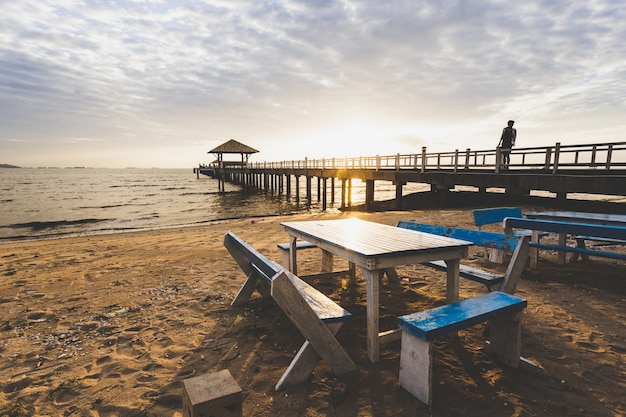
<point>8,166</point>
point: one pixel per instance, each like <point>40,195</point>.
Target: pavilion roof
<point>232,146</point>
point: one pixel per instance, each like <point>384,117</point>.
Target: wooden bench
<point>316,316</point>
<point>420,329</point>
<point>519,245</point>
<point>495,215</point>
<point>593,231</point>
<point>580,243</point>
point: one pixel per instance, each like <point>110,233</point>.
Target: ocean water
<point>55,202</point>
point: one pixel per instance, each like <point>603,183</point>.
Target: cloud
<point>146,73</point>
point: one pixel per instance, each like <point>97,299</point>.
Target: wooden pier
<point>591,169</point>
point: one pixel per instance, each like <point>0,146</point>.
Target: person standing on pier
<point>507,141</point>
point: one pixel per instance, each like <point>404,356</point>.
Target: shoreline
<point>415,201</point>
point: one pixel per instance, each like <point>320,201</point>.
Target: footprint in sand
<point>618,349</point>
<point>591,347</point>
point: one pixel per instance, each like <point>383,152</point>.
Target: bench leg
<point>534,252</point>
<point>303,363</point>
<point>253,282</point>
<point>496,255</point>
<point>506,337</point>
<point>416,367</point>
<point>284,261</point>
<point>580,243</point>
<point>293,303</point>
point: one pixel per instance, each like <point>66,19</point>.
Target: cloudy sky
<point>159,83</point>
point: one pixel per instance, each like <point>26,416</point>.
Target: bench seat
<point>439,321</point>
<point>419,330</point>
<point>301,244</point>
<point>481,276</point>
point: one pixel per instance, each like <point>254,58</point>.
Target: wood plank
<point>516,265</point>
<point>495,215</point>
<point>370,239</point>
<point>303,363</point>
<point>439,321</point>
<point>296,307</point>
<point>605,231</point>
<point>474,274</point>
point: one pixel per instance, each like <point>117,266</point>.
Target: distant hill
<point>8,166</point>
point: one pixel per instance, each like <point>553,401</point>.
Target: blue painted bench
<point>316,316</point>
<point>494,215</point>
<point>420,329</point>
<point>516,244</point>
<point>596,231</point>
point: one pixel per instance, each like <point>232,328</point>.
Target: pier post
<point>399,195</point>
<point>369,194</point>
<point>349,192</point>
<point>297,178</point>
<point>319,184</point>
<point>324,195</point>
<point>308,190</point>
<point>343,193</point>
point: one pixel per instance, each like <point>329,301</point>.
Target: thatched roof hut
<point>233,147</point>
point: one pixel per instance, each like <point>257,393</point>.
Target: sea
<point>46,203</point>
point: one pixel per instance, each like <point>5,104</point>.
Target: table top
<point>579,216</point>
<point>371,239</point>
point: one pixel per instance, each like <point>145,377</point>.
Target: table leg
<point>327,261</point>
<point>372,283</point>
<point>452,285</point>
<point>292,255</point>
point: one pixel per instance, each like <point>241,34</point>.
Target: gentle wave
<point>39,226</point>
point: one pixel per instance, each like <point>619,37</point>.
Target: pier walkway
<point>560,169</point>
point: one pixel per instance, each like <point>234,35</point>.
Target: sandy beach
<point>111,325</point>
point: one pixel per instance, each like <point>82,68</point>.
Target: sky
<point>160,83</point>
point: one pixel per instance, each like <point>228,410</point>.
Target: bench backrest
<point>495,215</point>
<point>597,230</point>
<point>503,241</point>
<point>430,324</point>
<point>249,259</point>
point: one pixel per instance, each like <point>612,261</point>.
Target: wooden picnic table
<point>377,248</point>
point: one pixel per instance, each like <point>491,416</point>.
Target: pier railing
<point>601,156</point>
